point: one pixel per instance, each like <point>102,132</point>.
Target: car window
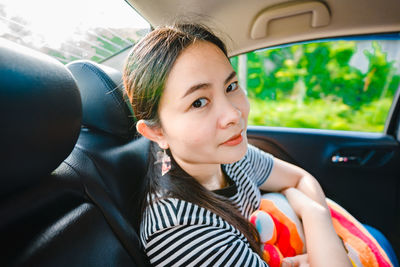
<point>340,84</point>
<point>73,29</point>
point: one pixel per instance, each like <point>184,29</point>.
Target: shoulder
<point>171,213</point>
<point>257,156</point>
<point>191,234</point>
<point>175,215</point>
<point>163,211</point>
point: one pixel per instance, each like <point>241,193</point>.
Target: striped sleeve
<point>197,238</point>
<point>261,162</point>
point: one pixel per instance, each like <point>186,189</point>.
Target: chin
<point>234,153</point>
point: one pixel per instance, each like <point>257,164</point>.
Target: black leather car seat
<point>108,136</point>
<point>40,115</point>
<point>53,211</point>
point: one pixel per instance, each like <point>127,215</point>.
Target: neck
<point>208,175</point>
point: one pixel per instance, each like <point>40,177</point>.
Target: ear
<point>153,133</point>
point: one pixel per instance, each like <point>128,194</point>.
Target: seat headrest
<point>41,112</point>
<point>105,106</point>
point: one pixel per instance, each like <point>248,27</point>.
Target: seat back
<point>108,136</point>
<point>40,115</point>
<point>52,214</point>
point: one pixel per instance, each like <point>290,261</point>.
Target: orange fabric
<point>293,236</point>
<point>370,253</point>
<point>362,245</point>
<point>356,243</point>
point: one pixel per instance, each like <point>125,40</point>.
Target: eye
<point>232,87</point>
<point>201,102</point>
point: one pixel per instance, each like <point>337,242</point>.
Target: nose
<point>230,114</point>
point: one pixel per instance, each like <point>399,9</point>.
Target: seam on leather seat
<point>134,250</point>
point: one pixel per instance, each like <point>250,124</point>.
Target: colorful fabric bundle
<point>363,249</point>
<point>281,233</point>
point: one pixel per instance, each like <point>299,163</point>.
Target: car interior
<point>73,165</point>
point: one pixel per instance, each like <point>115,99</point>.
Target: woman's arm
<point>324,247</point>
<point>285,175</point>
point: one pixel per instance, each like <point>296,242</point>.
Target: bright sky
<point>58,20</point>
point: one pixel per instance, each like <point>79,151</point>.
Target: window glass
<point>333,84</point>
<point>73,29</point>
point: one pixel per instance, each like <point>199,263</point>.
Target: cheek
<point>189,131</point>
<point>198,132</point>
<point>247,107</point>
<point>191,140</point>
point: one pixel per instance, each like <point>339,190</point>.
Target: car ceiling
<point>234,19</point>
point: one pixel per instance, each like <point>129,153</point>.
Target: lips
<point>234,140</point>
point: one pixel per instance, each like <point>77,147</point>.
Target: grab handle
<point>320,15</point>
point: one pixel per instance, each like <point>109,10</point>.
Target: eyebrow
<point>205,85</point>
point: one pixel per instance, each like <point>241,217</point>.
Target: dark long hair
<point>145,73</point>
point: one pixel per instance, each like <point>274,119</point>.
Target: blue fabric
<point>382,240</point>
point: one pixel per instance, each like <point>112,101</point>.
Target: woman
<point>203,177</point>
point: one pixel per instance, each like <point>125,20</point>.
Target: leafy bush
<point>313,85</point>
<point>320,113</point>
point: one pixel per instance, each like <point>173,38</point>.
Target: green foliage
<point>56,54</point>
<point>314,86</point>
<point>117,40</point>
<point>108,46</point>
<point>96,58</point>
<point>320,114</point>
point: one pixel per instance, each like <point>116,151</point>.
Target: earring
<point>165,161</point>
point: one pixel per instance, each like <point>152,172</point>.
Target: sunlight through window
<point>74,29</point>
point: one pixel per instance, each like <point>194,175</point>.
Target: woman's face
<point>203,111</point>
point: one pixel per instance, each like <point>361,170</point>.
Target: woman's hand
<point>296,261</point>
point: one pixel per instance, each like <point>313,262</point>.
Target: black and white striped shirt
<point>175,232</point>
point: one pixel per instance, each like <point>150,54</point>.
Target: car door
<point>357,168</point>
